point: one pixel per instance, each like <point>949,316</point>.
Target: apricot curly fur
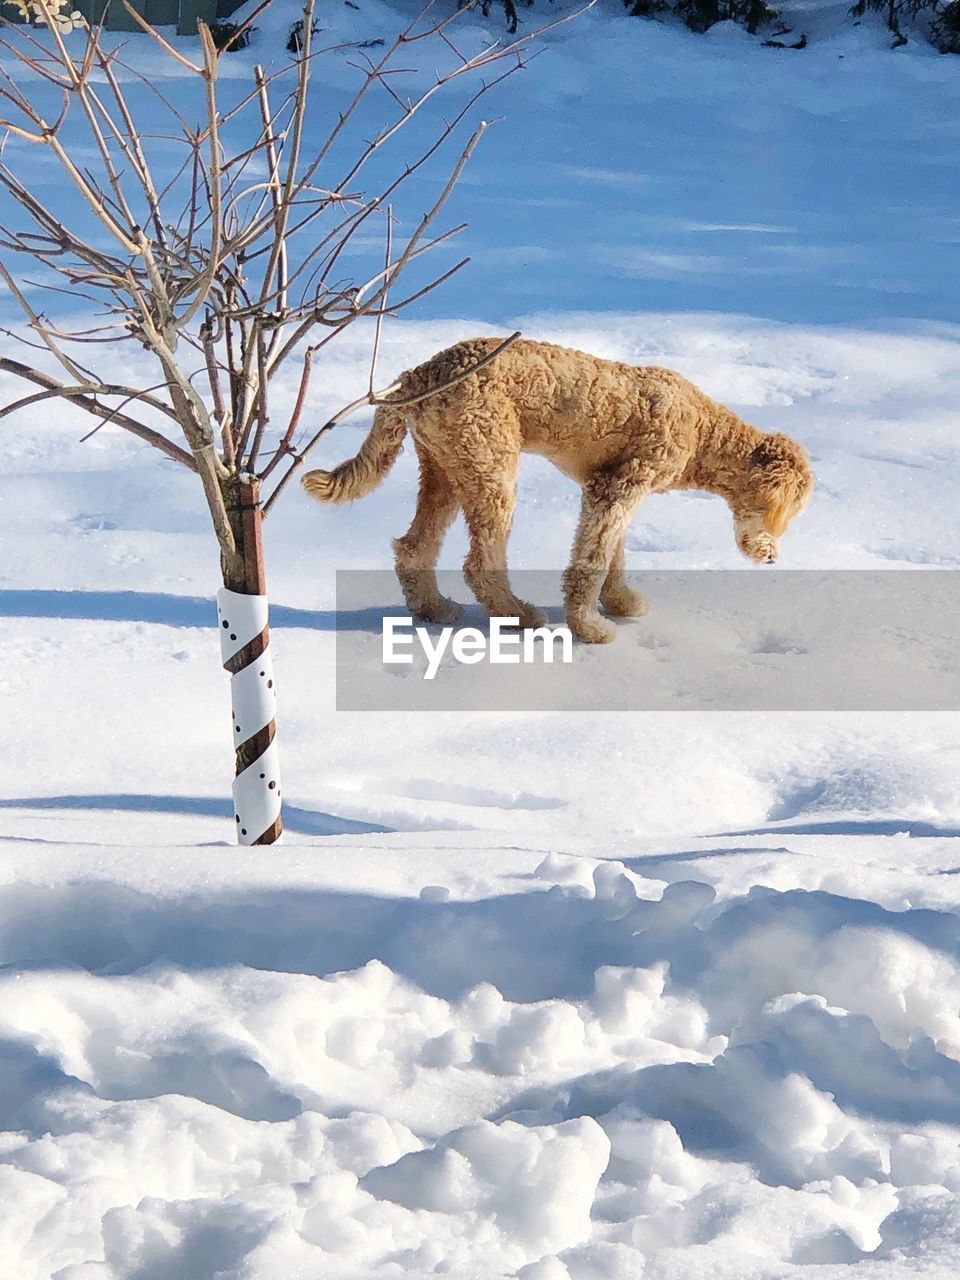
<point>622,432</point>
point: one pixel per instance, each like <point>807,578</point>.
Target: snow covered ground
<point>666,995</point>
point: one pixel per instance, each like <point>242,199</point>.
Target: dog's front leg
<point>609,500</point>
<point>617,597</point>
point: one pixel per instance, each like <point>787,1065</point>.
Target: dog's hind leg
<point>416,553</point>
<point>609,500</point>
<point>616,596</point>
<point>488,506</point>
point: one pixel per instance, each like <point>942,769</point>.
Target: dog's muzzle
<point>760,548</point>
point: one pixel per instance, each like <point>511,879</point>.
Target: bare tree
<point>224,268</point>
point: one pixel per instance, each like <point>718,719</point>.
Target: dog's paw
<point>624,603</point>
<point>591,628</point>
<point>442,611</point>
<point>530,616</point>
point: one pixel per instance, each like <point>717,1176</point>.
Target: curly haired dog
<point>620,432</point>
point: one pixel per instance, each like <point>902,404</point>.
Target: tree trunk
<point>245,647</point>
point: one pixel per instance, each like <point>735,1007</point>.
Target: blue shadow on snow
<point>307,822</point>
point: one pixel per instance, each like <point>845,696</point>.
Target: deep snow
<point>670,995</point>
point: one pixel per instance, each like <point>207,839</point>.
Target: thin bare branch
<point>220,412</point>
<point>396,307</point>
<point>262,416</point>
<point>245,25</point>
<point>285,446</point>
<point>39,328</point>
<point>155,34</point>
<point>134,395</point>
<point>273,159</point>
<point>431,214</point>
<point>91,405</point>
<point>381,310</point>
<point>132,147</point>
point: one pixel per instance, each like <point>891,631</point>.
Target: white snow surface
<point>551,996</point>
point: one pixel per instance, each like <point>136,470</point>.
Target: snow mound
<point>698,1076</point>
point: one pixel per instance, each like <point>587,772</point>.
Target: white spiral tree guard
<point>245,636</point>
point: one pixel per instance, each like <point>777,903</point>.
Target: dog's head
<point>777,487</point>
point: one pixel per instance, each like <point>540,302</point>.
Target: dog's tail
<point>361,475</point>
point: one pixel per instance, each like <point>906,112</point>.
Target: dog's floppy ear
<point>781,508</point>
<point>778,460</point>
<point>774,449</point>
<point>782,468</point>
